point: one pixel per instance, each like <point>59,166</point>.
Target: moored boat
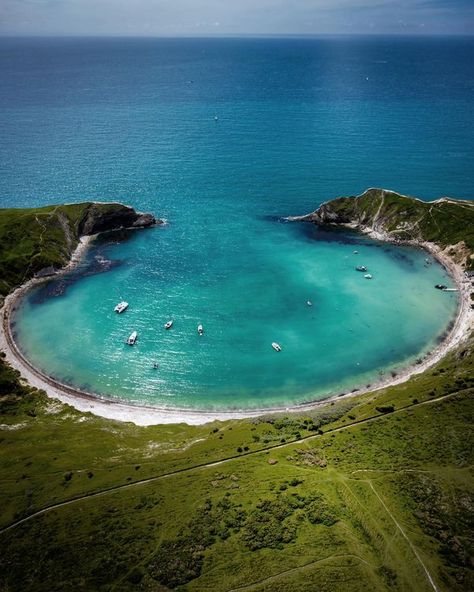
<point>169,324</point>
<point>441,287</point>
<point>276,346</point>
<point>361,268</point>
<point>200,329</point>
<point>368,276</point>
<point>121,306</point>
<point>133,338</point>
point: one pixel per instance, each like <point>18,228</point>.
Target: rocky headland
<point>38,242</point>
<point>444,227</point>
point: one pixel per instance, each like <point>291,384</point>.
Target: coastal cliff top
<point>445,222</point>
<point>35,239</point>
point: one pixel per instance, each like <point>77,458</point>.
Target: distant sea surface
<point>222,137</point>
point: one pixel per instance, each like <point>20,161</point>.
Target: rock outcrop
<point>447,223</point>
<point>37,242</point>
<point>100,217</point>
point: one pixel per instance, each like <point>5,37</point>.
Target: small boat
<point>121,306</point>
<point>368,276</point>
<point>200,329</point>
<point>168,325</point>
<point>309,303</point>
<point>132,339</point>
<point>276,346</point>
<point>361,268</point>
<point>441,287</point>
<point>355,252</point>
<point>450,290</point>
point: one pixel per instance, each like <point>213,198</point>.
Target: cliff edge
<point>39,241</point>
<point>387,215</point>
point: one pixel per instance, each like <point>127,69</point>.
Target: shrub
<point>267,525</point>
<point>385,408</point>
<point>318,511</point>
<point>294,482</point>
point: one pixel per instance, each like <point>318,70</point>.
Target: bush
<point>318,511</point>
<point>176,562</point>
<point>385,408</point>
<point>294,482</point>
<point>267,526</point>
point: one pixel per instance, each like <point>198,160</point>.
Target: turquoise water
<point>247,294</point>
<point>299,121</point>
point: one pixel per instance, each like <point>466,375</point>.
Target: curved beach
<point>150,415</point>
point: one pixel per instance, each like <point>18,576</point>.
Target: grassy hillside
<point>444,222</point>
<point>291,508</point>
<point>36,238</point>
<point>369,493</point>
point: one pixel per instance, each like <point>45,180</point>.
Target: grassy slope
<point>31,239</point>
<point>445,222</point>
<point>333,496</point>
<point>336,535</point>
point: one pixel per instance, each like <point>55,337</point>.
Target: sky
<point>173,18</point>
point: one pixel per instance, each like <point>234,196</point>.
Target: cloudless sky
<point>235,17</point>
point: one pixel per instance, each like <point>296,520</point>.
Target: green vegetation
<point>369,493</point>
<point>316,513</point>
<point>444,222</point>
<point>38,238</point>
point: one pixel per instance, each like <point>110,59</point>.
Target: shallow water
<point>299,121</point>
<point>247,295</point>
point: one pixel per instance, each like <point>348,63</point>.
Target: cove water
<point>222,137</point>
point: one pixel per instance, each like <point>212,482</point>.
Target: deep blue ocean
<point>222,137</point>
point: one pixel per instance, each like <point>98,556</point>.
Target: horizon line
<point>226,35</point>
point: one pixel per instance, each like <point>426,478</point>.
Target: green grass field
<point>378,500</point>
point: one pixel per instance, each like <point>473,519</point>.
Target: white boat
<point>361,268</point>
<point>276,346</point>
<point>368,276</point>
<point>132,339</point>
<point>309,303</point>
<point>200,329</point>
<point>168,325</point>
<point>121,306</point>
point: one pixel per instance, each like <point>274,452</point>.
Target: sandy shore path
<point>148,415</point>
